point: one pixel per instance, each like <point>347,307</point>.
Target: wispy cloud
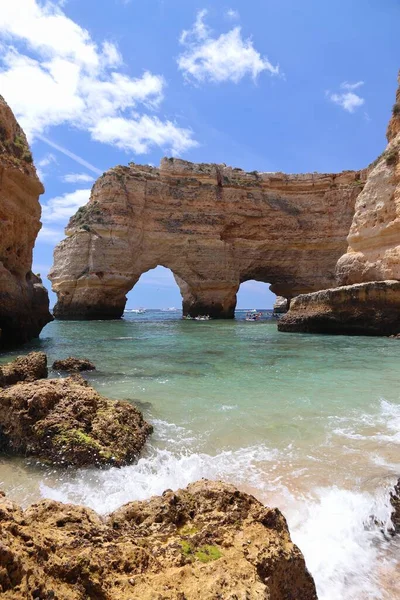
<point>70,154</point>
<point>232,14</point>
<point>227,57</point>
<point>347,99</point>
<point>77,178</point>
<point>61,208</point>
<point>43,163</point>
<point>73,80</point>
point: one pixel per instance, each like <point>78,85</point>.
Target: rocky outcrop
<point>213,226</point>
<point>395,501</point>
<point>281,306</point>
<point>72,364</point>
<point>373,255</point>
<point>363,309</point>
<point>24,368</point>
<point>66,422</point>
<point>206,541</point>
<point>24,303</point>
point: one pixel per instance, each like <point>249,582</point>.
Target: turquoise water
<point>308,423</point>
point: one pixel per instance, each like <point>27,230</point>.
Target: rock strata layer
<point>213,226</point>
<point>24,303</point>
<point>208,541</point>
<point>66,422</point>
<point>372,259</point>
<point>363,309</point>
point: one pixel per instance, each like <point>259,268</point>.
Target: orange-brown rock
<point>66,422</point>
<point>208,541</point>
<point>213,226</point>
<point>24,368</point>
<point>24,304</point>
<point>73,364</point>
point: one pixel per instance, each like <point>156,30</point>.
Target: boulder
<point>24,368</point>
<point>73,364</point>
<point>204,542</point>
<point>66,422</point>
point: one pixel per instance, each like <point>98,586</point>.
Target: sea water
<point>308,423</point>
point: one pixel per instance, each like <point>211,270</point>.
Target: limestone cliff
<point>373,255</point>
<point>213,226</point>
<point>205,542</point>
<point>24,304</point>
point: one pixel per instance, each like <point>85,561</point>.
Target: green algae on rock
<point>67,423</point>
<point>240,549</point>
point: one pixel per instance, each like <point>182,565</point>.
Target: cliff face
<point>212,225</point>
<point>374,238</point>
<point>369,301</point>
<point>24,304</point>
<point>206,541</point>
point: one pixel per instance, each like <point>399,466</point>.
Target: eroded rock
<point>24,302</point>
<point>395,501</point>
<point>213,226</point>
<point>66,422</point>
<point>206,541</point>
<point>73,364</point>
<point>24,368</point>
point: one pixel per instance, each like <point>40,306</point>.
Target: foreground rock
<point>372,259</point>
<point>395,500</point>
<point>208,541</point>
<point>24,303</point>
<point>24,368</point>
<point>72,364</point>
<point>66,422</point>
<point>364,309</point>
<point>214,226</point>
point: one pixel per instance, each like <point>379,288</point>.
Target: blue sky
<point>263,85</point>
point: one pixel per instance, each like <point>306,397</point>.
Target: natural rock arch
<point>213,226</point>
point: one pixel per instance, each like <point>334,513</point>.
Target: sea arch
<point>213,226</point>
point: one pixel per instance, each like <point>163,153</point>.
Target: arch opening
<point>156,288</point>
<point>254,294</point>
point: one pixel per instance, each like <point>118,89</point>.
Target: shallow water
<point>308,423</point>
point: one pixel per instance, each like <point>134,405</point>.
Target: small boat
<point>253,315</point>
<point>202,318</point>
<point>138,311</point>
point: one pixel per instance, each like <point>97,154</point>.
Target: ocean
<point>308,423</point>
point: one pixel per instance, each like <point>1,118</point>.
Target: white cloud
<point>77,178</point>
<point>61,208</point>
<point>72,80</point>
<point>232,14</point>
<point>43,163</point>
<point>50,235</point>
<point>348,99</point>
<point>225,58</point>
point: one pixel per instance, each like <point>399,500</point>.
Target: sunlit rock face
<point>24,303</point>
<point>213,226</point>
<point>368,301</point>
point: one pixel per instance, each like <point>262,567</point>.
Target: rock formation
<point>395,501</point>
<point>206,541</point>
<point>24,368</point>
<point>280,305</point>
<point>66,422</point>
<point>73,364</point>
<point>213,226</point>
<point>24,304</point>
<point>373,255</point>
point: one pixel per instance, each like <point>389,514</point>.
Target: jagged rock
<point>206,541</point>
<point>280,306</point>
<point>363,309</point>
<point>395,501</point>
<point>372,259</point>
<point>24,368</point>
<point>66,422</point>
<point>212,225</point>
<point>73,364</point>
<point>24,302</point>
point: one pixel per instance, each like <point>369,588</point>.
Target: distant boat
<point>202,318</point>
<point>253,315</point>
<point>172,309</point>
<point>138,311</point>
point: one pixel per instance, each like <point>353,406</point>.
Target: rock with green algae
<point>66,422</point>
<point>73,364</point>
<point>236,549</point>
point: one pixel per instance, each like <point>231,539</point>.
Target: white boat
<point>202,318</point>
<point>253,315</point>
<point>138,311</point>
